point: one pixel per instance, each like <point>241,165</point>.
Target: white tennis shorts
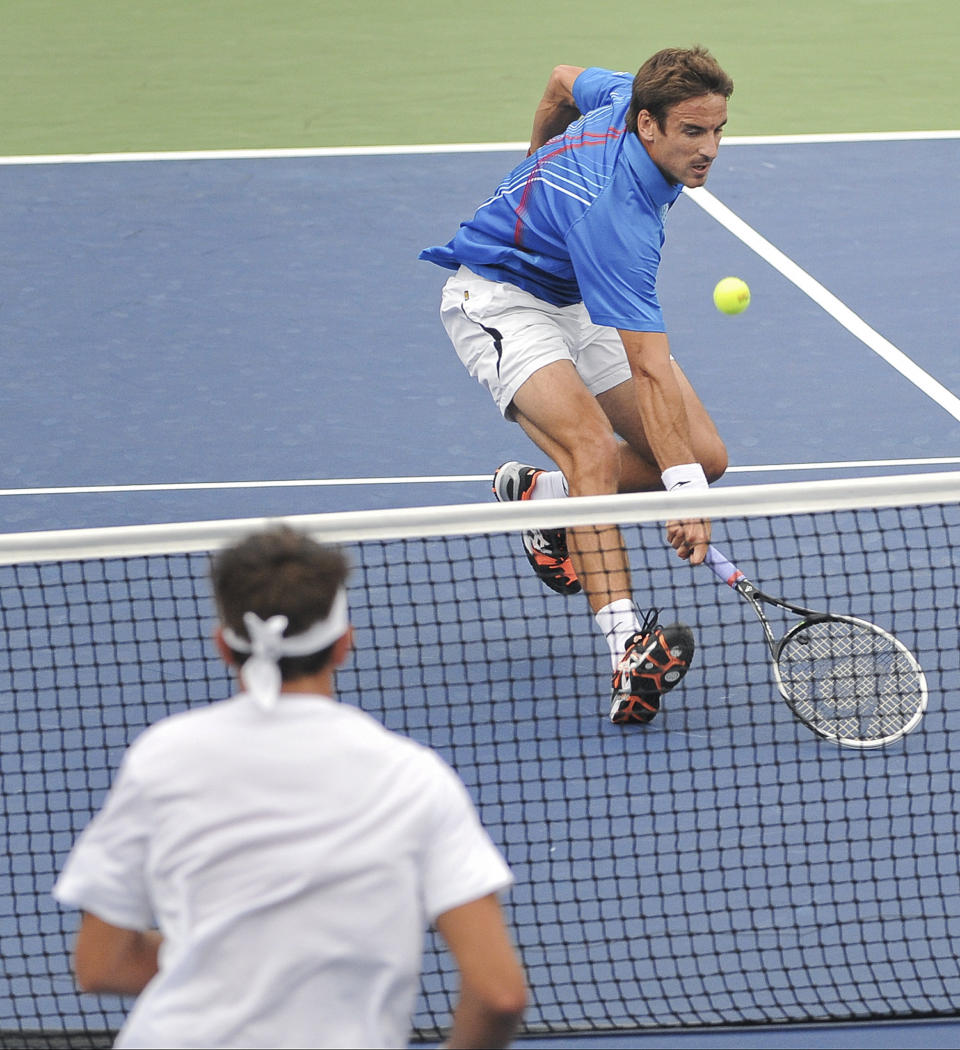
<point>504,334</point>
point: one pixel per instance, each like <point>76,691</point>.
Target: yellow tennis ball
<point>731,296</point>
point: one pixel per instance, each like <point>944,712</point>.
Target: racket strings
<point>849,679</point>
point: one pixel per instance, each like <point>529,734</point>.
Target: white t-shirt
<point>293,860</point>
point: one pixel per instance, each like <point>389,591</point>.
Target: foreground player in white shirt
<point>264,868</point>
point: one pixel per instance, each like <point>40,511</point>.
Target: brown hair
<point>673,75</point>
<point>279,571</point>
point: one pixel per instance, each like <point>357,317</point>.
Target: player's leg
<point>653,659</point>
<point>559,415</point>
<point>503,335</point>
<point>638,468</point>
<point>522,350</point>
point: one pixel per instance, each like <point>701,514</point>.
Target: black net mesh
<point>720,866</point>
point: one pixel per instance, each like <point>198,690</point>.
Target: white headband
<point>261,674</point>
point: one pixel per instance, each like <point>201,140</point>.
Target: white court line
<point>827,300</point>
<point>212,486</point>
<point>454,147</point>
<point>856,325</point>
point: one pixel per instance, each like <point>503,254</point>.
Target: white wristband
<point>684,475</point>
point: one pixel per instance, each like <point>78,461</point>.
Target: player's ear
<point>222,648</point>
<point>342,648</point>
<point>646,125</point>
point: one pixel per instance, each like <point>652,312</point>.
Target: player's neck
<point>320,683</point>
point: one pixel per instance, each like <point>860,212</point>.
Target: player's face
<point>687,145</point>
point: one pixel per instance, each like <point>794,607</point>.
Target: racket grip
<point>722,567</point>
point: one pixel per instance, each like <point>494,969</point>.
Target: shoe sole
<point>554,571</point>
<point>663,667</point>
<point>512,482</point>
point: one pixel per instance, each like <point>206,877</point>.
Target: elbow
<point>512,1002</point>
<point>564,74</point>
<point>507,1002</point>
<point>560,86</point>
<point>714,462</point>
<point>511,1013</point>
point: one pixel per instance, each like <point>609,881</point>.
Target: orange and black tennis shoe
<point>546,549</point>
<point>655,660</point>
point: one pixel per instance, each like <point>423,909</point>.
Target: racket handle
<point>722,567</point>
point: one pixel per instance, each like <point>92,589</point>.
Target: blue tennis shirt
<point>581,220</point>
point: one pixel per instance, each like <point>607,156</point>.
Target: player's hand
<point>690,538</point>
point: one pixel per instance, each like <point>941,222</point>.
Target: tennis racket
<point>848,680</point>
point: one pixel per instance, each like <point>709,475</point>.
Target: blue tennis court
<point>213,338</point>
<point>257,321</point>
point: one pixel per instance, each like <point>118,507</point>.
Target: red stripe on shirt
<point>597,137</point>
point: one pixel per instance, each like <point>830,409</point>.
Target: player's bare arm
<point>113,960</point>
<point>660,407</point>
<point>557,108</point>
<point>493,992</point>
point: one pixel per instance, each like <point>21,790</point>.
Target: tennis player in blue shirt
<point>553,308</point>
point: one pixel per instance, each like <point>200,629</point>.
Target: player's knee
<point>595,465</point>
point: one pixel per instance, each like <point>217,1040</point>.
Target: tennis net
<point>720,866</point>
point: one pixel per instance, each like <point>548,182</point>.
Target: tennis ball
<point>731,296</point>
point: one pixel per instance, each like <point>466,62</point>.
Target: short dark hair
<point>279,571</point>
<point>673,75</point>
